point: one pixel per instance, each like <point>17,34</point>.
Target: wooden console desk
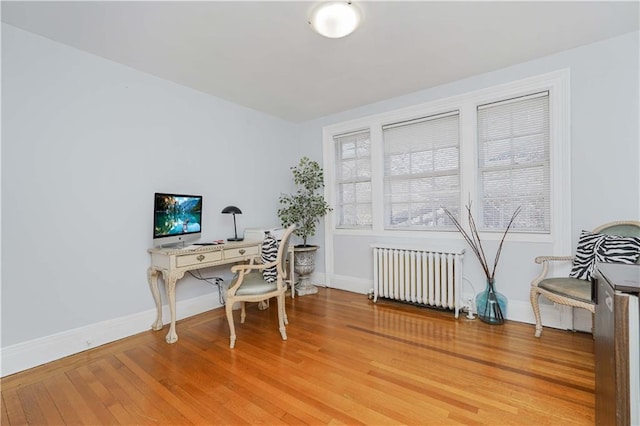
<point>173,263</point>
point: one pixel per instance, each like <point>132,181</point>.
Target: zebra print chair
<point>253,283</point>
<point>575,291</point>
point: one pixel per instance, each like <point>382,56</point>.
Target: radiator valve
<point>469,307</point>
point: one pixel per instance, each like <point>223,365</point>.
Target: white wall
<point>605,174</point>
<point>85,144</point>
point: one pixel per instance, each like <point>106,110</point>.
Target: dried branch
<point>513,218</point>
<point>474,241</point>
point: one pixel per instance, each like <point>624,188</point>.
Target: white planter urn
<point>304,264</point>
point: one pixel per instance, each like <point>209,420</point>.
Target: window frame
<point>558,85</point>
<point>339,162</point>
<point>526,167</point>
<point>411,177</point>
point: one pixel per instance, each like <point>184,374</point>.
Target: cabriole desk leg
<point>170,282</point>
<point>152,277</point>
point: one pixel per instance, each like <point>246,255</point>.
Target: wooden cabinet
<point>617,337</point>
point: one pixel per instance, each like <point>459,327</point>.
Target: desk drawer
<point>241,252</point>
<point>198,258</point>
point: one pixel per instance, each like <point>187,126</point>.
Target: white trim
<point>318,279</point>
<point>377,191</point>
<point>452,234</point>
<point>420,247</point>
<point>514,99</point>
<point>558,85</point>
<point>352,133</point>
<point>354,285</point>
<point>420,120</point>
<point>328,151</point>
<point>22,356</point>
<point>554,316</point>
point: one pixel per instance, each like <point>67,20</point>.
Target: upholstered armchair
<point>259,282</point>
<point>617,242</point>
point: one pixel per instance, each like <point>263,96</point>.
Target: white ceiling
<point>264,55</point>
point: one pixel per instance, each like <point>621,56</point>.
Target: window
<point>421,171</point>
<point>499,147</point>
<point>353,179</point>
<point>513,163</point>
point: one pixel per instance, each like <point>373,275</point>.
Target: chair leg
<point>284,310</point>
<point>232,329</point>
<point>243,312</point>
<point>281,314</point>
<point>536,310</point>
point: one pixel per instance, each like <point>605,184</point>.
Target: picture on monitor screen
<point>176,215</point>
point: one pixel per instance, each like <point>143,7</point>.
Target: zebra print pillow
<point>594,248</point>
<point>269,254</point>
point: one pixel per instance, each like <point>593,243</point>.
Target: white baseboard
<point>352,284</point>
<point>518,310</point>
<point>22,356</point>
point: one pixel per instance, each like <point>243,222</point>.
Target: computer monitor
<point>177,219</point>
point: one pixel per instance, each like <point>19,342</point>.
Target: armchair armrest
<point>544,260</point>
<point>541,259</point>
<point>243,269</point>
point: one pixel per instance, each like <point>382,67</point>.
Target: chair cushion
<point>269,254</point>
<point>594,248</point>
<point>570,287</point>
<point>254,284</point>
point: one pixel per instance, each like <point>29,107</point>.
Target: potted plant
<point>304,208</point>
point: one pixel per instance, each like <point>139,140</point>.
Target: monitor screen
<point>177,218</point>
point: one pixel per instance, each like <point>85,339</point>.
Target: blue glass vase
<point>491,305</point>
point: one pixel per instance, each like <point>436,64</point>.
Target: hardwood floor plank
<point>163,402</point>
<point>82,381</point>
<point>15,412</point>
<point>379,391</point>
<point>123,399</point>
<point>140,401</point>
<point>347,361</point>
<point>260,378</point>
<point>39,408</point>
<point>4,416</point>
<point>214,387</point>
<point>69,402</point>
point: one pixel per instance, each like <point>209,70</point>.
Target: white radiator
<point>418,275</point>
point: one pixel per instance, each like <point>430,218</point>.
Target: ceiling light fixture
<point>335,19</point>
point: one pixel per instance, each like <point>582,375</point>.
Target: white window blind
<point>513,163</point>
<point>421,172</point>
<point>353,179</point>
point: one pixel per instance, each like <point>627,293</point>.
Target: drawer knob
<point>200,257</point>
<point>242,251</point>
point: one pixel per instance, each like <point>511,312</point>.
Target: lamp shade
<point>231,210</point>
<point>335,19</point>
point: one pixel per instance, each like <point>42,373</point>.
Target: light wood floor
<point>347,361</point>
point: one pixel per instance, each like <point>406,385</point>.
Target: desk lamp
<point>234,211</point>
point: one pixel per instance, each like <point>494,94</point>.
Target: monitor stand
<point>180,244</point>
